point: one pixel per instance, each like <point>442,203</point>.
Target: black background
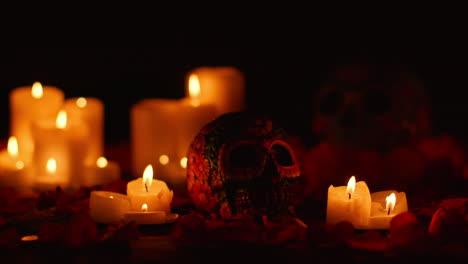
<point>281,80</point>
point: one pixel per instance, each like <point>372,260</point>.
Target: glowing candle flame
<point>36,90</point>
<point>61,121</point>
<point>81,102</point>
<point>112,197</point>
<point>351,186</point>
<point>101,162</point>
<point>194,89</point>
<point>391,201</point>
<point>144,208</point>
<point>51,165</point>
<point>164,159</point>
<point>183,162</point>
<point>12,147</point>
<point>148,177</point>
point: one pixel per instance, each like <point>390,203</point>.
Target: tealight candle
<point>146,190</point>
<point>385,205</point>
<point>108,207</point>
<point>350,203</point>
<point>143,217</point>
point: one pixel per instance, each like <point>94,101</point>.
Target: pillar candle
<point>146,190</point>
<point>28,104</point>
<point>13,172</point>
<point>65,143</point>
<point>222,86</point>
<point>108,207</point>
<point>383,210</point>
<point>90,112</point>
<point>350,203</point>
<point>100,173</point>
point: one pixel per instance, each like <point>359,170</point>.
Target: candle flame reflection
<point>81,102</point>
<point>183,162</point>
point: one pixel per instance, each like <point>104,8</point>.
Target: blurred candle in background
<point>13,172</point>
<point>29,104</point>
<point>222,86</point>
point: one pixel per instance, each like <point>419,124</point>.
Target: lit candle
<point>100,173</point>
<point>162,131</point>
<point>222,86</point>
<point>146,190</point>
<point>385,205</point>
<point>143,217</point>
<point>13,172</point>
<point>29,104</point>
<point>108,207</point>
<point>350,203</point>
<point>90,113</point>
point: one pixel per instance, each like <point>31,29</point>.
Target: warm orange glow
<point>12,147</point>
<point>101,162</point>
<point>51,165</point>
<point>112,197</point>
<point>148,177</point>
<point>81,102</point>
<point>19,164</point>
<point>351,186</point>
<point>194,89</point>
<point>183,162</point>
<point>29,238</point>
<point>391,201</point>
<point>144,208</point>
<point>36,90</point>
<point>164,159</point>
<point>61,121</point>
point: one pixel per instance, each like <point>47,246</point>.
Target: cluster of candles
<point>354,203</point>
<point>54,142</point>
<point>148,201</point>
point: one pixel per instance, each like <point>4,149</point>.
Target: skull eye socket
<point>376,102</point>
<point>331,102</point>
<point>282,155</point>
<point>245,156</point>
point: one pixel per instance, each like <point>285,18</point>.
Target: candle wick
<point>388,212</point>
<point>349,196</point>
<point>146,187</point>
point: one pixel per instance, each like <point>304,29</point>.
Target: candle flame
<point>164,159</point>
<point>61,121</point>
<point>36,90</point>
<point>51,165</point>
<point>112,197</point>
<point>144,208</point>
<point>148,177</point>
<point>183,162</point>
<point>194,89</point>
<point>351,186</point>
<point>101,162</point>
<point>12,147</point>
<point>391,201</point>
<point>81,102</point>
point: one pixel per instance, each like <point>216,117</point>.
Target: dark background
<point>280,80</point>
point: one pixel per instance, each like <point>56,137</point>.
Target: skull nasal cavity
<point>244,156</point>
<point>349,117</point>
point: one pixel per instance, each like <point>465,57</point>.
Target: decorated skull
<point>240,163</point>
<point>371,106</point>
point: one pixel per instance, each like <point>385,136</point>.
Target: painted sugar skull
<point>371,106</point>
<point>241,164</point>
